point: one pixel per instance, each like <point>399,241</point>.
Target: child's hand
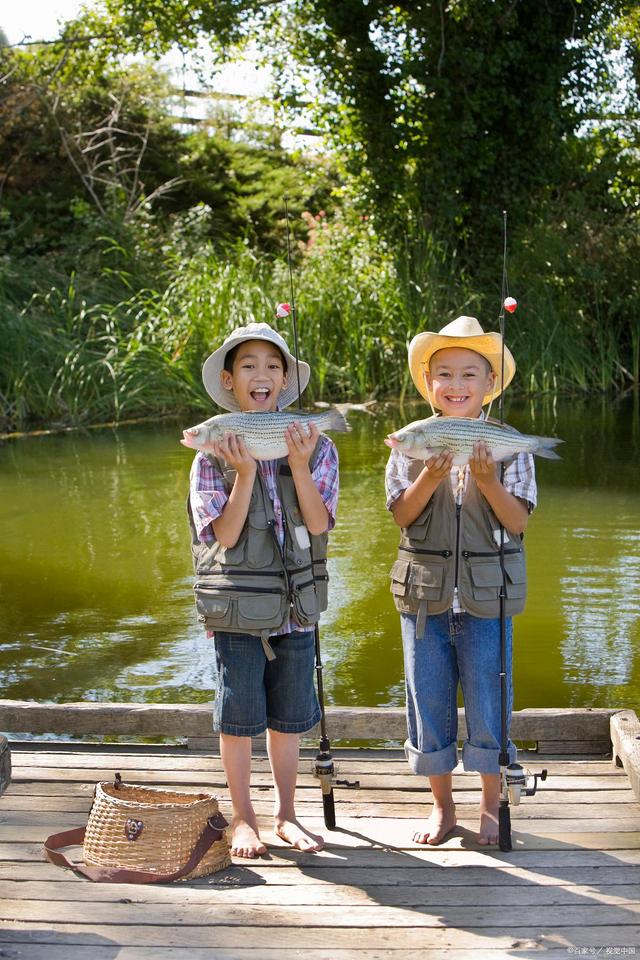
<point>440,466</point>
<point>232,449</point>
<point>300,445</point>
<point>482,464</point>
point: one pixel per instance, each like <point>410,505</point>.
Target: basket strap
<point>213,831</point>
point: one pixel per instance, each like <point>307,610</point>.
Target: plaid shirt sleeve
<point>325,475</point>
<point>520,479</point>
<point>396,477</point>
<point>207,496</point>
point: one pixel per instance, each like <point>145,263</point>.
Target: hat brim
<point>488,345</point>
<point>214,365</point>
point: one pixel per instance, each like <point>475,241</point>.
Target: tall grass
<point>86,349</point>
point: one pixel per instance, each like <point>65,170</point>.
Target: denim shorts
<point>456,648</point>
<point>253,693</point>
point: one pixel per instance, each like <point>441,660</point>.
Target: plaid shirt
<point>519,480</point>
<point>208,495</point>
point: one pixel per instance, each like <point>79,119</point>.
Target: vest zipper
<point>248,573</point>
<point>207,586</point>
<point>489,553</point>
<point>434,553</point>
<point>458,509</point>
<point>281,551</point>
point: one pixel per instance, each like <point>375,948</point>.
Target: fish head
<point>196,438</point>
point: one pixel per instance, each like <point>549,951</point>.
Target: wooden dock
<point>571,885</point>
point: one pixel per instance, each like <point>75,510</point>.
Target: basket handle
<point>213,831</point>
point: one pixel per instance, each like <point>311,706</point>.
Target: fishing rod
<point>514,780</point>
<point>323,768</point>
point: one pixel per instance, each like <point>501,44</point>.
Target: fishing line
<point>294,318</point>
<point>504,813</point>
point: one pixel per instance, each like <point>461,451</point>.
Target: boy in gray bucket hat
<point>259,539</point>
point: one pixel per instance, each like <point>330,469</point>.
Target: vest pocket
<point>321,578</point>
<point>516,577</point>
<point>486,579</point>
<point>213,607</point>
<point>306,608</point>
<point>260,611</point>
<point>418,529</point>
<point>399,574</point>
<point>426,581</point>
<point>259,541</point>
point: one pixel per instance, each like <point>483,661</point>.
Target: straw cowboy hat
<point>214,365</point>
<point>462,332</point>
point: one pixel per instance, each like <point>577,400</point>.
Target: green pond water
<point>95,568</point>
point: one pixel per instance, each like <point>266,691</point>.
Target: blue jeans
<point>456,648</point>
<point>253,693</point>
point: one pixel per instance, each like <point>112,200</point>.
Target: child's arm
<point>301,447</point>
<point>509,510</point>
<point>414,499</point>
<point>228,526</point>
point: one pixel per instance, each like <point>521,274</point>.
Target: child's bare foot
<point>291,831</point>
<point>488,834</point>
<point>489,803</point>
<point>245,841</point>
<point>441,822</point>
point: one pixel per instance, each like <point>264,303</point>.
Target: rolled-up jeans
<point>456,648</point>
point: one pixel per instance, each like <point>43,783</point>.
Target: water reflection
<point>95,597</point>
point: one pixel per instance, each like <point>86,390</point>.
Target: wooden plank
<point>625,735</point>
<point>216,783</point>
<point>381,832</point>
<point>320,894</point>
<point>373,915</point>
<point>344,723</point>
<point>51,951</point>
<point>379,873</point>
<point>348,767</point>
<point>354,804</point>
<point>32,791</point>
<point>541,856</point>
<point>534,937</point>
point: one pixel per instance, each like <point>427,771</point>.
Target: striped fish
<point>427,438</point>
<point>262,432</point>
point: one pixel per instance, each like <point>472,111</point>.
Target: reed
<point>86,349</point>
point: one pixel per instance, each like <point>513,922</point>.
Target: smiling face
<point>458,380</point>
<point>257,377</point>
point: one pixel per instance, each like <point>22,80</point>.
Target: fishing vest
<point>257,586</point>
<point>451,545</point>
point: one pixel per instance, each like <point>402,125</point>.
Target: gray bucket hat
<point>214,365</point>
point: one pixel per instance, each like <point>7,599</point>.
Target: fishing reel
<point>324,769</point>
<point>521,782</point>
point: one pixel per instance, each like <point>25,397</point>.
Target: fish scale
<point>426,438</point>
<point>263,433</point>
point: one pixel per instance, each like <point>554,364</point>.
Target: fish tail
<point>334,420</point>
<point>545,448</point>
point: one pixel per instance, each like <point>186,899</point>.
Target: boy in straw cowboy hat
<point>256,527</point>
<point>447,577</point>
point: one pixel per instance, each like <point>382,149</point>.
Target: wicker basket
<point>151,829</point>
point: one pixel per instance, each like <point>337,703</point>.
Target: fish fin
<point>545,448</point>
<point>501,453</point>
